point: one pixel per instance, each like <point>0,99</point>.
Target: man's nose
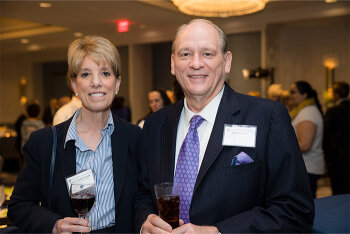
<point>196,62</point>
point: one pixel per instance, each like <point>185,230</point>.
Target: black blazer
<point>269,195</point>
<point>31,188</point>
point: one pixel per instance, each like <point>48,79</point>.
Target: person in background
<point>67,110</point>
<point>157,99</point>
<point>228,184</point>
<point>274,92</point>
<point>94,139</point>
<point>32,123</point>
<point>49,112</point>
<point>285,99</point>
<point>63,101</point>
<point>336,139</point>
<point>120,110</point>
<point>308,125</point>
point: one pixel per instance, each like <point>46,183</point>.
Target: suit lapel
<point>66,156</point>
<point>227,114</point>
<point>119,151</point>
<point>168,143</point>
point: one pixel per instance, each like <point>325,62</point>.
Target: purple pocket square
<point>241,159</point>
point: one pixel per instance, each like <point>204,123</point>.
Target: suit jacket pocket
<point>242,169</point>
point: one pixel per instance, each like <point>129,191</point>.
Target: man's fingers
<point>154,224</point>
<point>181,222</point>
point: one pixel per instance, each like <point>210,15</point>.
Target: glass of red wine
<point>82,196</point>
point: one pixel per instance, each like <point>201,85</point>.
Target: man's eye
<point>106,73</point>
<point>185,54</point>
<point>208,54</point>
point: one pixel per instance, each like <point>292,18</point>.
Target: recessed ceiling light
<point>45,4</point>
<point>34,47</point>
<point>78,34</point>
<point>143,26</point>
<point>330,1</point>
<point>24,41</point>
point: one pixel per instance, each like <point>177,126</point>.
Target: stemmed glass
<point>82,196</point>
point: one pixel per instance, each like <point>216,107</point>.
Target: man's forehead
<point>195,33</point>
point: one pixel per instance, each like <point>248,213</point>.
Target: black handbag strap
<point>52,164</point>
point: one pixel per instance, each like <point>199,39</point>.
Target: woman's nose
<point>96,80</point>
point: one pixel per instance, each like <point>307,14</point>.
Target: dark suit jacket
<point>336,135</point>
<point>269,195</point>
<point>32,185</point>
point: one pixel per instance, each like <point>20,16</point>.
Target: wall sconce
<point>23,90</point>
<point>330,62</point>
<point>258,73</point>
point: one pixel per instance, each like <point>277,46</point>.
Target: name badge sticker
<point>86,177</point>
<point>239,135</point>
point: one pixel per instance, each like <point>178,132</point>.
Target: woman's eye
<point>85,74</point>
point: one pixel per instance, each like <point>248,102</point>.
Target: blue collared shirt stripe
<point>102,214</point>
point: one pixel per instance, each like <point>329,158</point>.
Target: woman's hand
<point>69,225</point>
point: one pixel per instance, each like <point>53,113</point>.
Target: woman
<point>157,99</point>
<point>308,124</point>
<point>92,139</point>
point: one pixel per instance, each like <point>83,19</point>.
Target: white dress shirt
<point>204,130</point>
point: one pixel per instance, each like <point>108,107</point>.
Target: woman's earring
<point>116,92</point>
<point>76,94</point>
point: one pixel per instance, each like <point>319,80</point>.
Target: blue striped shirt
<point>102,213</point>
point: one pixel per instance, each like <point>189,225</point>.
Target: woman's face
<point>96,85</point>
<point>155,101</point>
<point>295,96</point>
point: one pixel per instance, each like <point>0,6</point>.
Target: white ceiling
<point>152,20</point>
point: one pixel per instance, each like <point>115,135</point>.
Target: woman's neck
<point>92,121</point>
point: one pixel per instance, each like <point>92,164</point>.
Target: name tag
<point>84,177</point>
<point>239,135</point>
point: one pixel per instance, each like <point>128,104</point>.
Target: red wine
<point>168,207</point>
<point>82,203</point>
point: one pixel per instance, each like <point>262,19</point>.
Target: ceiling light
<point>45,4</point>
<point>219,8</point>
<point>330,1</point>
<point>78,34</point>
<point>24,41</point>
<point>34,47</point>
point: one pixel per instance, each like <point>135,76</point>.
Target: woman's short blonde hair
<point>98,48</point>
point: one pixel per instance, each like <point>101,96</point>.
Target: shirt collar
<point>208,113</point>
<point>72,133</point>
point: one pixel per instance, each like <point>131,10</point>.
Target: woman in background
<point>94,139</point>
<point>157,99</point>
<point>308,124</point>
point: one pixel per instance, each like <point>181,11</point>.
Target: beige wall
<point>296,51</point>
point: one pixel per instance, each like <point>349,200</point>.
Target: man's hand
<point>190,228</point>
<point>154,224</point>
<point>69,225</point>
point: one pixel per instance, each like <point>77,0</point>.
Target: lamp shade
<point>219,8</point>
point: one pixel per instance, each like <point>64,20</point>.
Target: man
<point>336,139</point>
<point>249,172</point>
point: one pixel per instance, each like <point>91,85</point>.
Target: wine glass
<point>82,196</point>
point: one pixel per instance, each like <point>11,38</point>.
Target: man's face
<point>198,62</point>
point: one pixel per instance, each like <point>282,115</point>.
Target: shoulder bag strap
<point>52,164</point>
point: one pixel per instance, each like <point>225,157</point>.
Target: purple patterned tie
<point>187,167</point>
